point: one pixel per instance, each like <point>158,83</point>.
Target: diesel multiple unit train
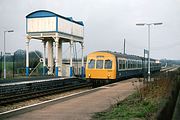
<point>106,65</point>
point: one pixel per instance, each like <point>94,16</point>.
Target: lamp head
<point>157,23</point>
<point>10,31</point>
<point>140,24</point>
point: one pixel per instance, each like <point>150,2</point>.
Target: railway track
<point>26,90</point>
<point>31,107</point>
<point>66,85</point>
<point>30,91</point>
<point>169,69</point>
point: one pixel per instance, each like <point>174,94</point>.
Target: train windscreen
<point>108,64</point>
<point>99,64</point>
<point>91,63</point>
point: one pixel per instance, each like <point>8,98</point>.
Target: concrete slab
<point>83,107</point>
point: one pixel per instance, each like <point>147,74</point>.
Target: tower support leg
<point>27,57</point>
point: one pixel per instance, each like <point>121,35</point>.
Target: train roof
<point>118,54</point>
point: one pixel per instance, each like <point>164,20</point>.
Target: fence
<point>15,64</point>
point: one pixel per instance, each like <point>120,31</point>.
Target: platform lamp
<point>148,24</point>
<point>5,51</point>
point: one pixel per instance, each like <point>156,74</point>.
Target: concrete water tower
<point>50,27</point>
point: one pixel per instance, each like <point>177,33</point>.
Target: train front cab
<point>101,67</point>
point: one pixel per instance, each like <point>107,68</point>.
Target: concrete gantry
<point>27,55</point>
<point>71,47</point>
<point>44,57</point>
<point>50,57</point>
<point>82,58</point>
<point>52,28</point>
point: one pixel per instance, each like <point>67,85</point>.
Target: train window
<point>140,65</point>
<point>99,64</point>
<point>108,64</point>
<point>124,63</point>
<point>134,64</point>
<point>139,62</point>
<point>129,64</point>
<point>120,64</point>
<point>91,63</point>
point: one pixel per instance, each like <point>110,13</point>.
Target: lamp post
<point>5,51</point>
<point>149,25</point>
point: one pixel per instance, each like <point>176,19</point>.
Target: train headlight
<point>89,75</point>
<point>109,75</point>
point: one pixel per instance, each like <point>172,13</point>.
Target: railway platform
<point>31,80</point>
<point>83,106</point>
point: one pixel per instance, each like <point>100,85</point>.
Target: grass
<point>9,68</point>
<point>9,65</point>
<point>129,109</point>
<point>142,105</point>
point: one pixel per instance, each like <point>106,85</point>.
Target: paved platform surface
<point>83,107</point>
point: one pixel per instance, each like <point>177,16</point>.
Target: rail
<point>34,90</point>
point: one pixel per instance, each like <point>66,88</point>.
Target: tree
<point>19,58</point>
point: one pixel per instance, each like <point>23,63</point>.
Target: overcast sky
<point>107,23</point>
